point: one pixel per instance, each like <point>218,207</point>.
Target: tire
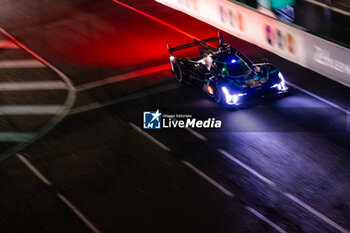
<point>218,95</point>
<point>178,73</point>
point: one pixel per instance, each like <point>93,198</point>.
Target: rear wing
<point>202,43</point>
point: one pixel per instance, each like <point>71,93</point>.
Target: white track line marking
<point>78,213</point>
<point>30,109</point>
<point>7,44</point>
<point>123,77</point>
<point>192,131</point>
<point>290,196</point>
<point>315,212</point>
<point>125,98</point>
<point>329,7</point>
<point>262,217</point>
<point>74,209</point>
<point>195,133</point>
<point>86,108</point>
<point>34,170</point>
<point>161,145</point>
<point>207,178</point>
<point>30,63</point>
<point>15,137</point>
<point>33,85</point>
<point>70,99</point>
<point>255,173</point>
<point>319,98</point>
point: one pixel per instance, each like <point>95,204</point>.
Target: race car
<point>225,74</point>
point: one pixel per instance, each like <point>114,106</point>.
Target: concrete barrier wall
<point>286,40</point>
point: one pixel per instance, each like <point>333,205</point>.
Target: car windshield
<point>234,67</point>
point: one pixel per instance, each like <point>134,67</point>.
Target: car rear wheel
<point>178,72</point>
<point>218,95</point>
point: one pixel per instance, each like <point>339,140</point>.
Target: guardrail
<point>284,39</point>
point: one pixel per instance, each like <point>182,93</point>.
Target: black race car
<point>225,73</point>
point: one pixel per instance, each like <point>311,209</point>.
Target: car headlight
<point>231,98</point>
<point>282,85</point>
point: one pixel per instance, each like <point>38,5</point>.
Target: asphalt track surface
<point>277,165</point>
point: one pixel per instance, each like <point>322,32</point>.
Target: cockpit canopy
<point>231,66</point>
<point>228,64</point>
